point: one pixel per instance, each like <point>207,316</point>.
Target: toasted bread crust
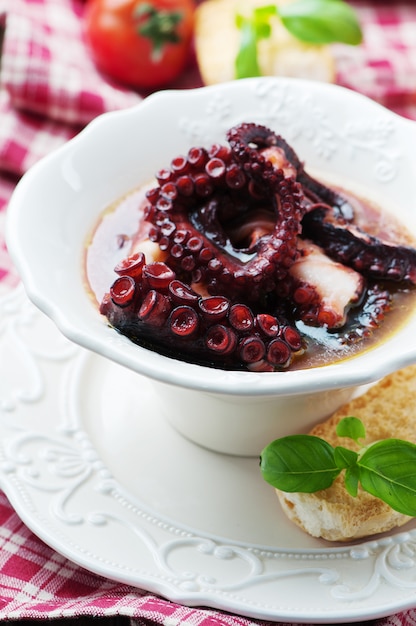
<point>387,409</point>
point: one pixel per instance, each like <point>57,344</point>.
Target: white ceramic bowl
<point>334,130</point>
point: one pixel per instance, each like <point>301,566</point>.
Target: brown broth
<point>116,236</point>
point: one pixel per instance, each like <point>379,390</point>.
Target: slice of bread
<point>387,409</point>
<point>217,41</point>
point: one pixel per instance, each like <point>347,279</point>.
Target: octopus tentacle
<point>192,325</point>
<point>250,141</point>
<point>366,254</point>
<point>378,302</point>
<point>251,247</point>
<point>194,230</point>
<point>323,290</point>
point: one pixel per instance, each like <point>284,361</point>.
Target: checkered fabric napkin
<point>49,85</point>
<point>384,66</point>
<point>49,90</point>
<point>46,68</point>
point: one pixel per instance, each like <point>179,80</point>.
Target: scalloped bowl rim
<point>81,322</point>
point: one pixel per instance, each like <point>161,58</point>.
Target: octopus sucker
<point>239,249</point>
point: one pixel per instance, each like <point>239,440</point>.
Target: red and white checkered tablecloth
<point>49,89</point>
<point>384,67</point>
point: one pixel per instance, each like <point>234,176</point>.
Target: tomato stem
<point>158,26</point>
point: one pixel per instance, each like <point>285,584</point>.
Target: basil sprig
<point>310,21</point>
<point>304,463</point>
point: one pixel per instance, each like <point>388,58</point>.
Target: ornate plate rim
<point>72,455</point>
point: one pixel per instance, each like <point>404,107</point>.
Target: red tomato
<point>142,43</point>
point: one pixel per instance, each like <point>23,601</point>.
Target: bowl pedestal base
<point>240,425</point>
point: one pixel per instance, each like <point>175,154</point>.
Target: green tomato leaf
<point>345,458</point>
<point>388,471</point>
<point>351,427</point>
<point>321,21</point>
<point>159,26</point>
<point>299,463</point>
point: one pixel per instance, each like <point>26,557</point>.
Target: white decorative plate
<point>154,510</point>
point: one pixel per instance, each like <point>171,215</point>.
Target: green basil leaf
<point>321,21</point>
<point>345,458</point>
<point>299,463</point>
<point>263,30</point>
<point>252,29</point>
<point>351,480</point>
<point>246,64</point>
<point>264,13</point>
<point>388,471</point>
<point>351,427</point>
